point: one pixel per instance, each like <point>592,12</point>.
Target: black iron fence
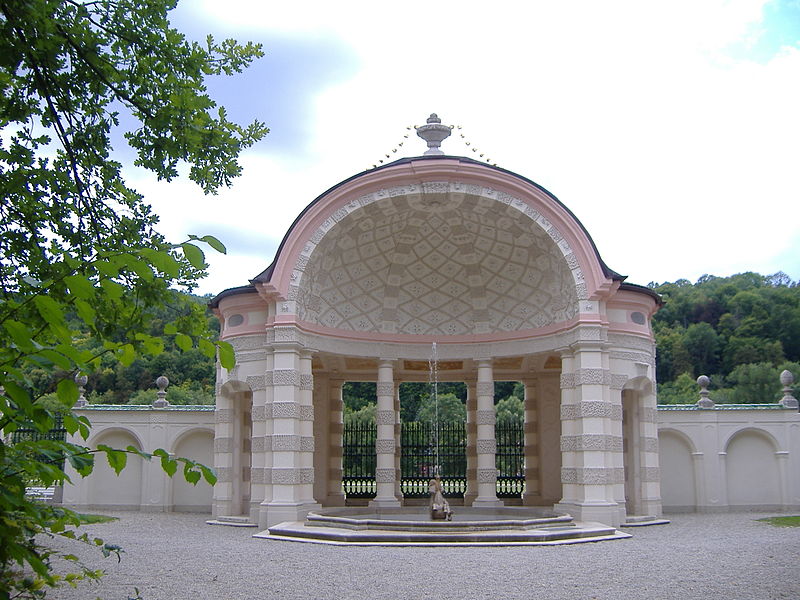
<point>510,458</point>
<point>418,458</point>
<point>30,433</point>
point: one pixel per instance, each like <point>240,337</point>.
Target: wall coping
<point>692,407</point>
<point>140,407</point>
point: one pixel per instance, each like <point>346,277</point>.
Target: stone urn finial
<point>434,133</point>
<point>705,401</point>
<point>81,381</point>
<point>161,383</point>
<point>788,400</point>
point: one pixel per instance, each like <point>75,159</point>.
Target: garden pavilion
<point>509,285</point>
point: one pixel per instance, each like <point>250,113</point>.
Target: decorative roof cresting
<point>434,133</point>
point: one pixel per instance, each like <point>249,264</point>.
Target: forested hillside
<point>191,372</point>
<point>741,331</point>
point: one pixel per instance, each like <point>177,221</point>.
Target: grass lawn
<point>90,519</point>
<point>793,521</point>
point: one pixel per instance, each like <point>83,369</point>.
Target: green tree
<point>77,245</point>
<point>510,409</point>
<point>450,409</point>
<point>755,383</point>
<point>365,415</point>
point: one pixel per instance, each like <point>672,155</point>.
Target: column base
<point>487,503</point>
<point>606,513</point>
<point>273,513</point>
<point>335,500</point>
<point>387,502</point>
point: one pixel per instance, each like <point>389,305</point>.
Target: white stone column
<point>532,494</point>
<point>385,441</point>
<point>591,436</point>
<point>650,469</point>
<point>292,411</point>
<point>335,491</point>
<point>486,443</point>
<point>782,457</point>
<point>223,497</point>
<point>306,396</point>
<point>471,492</point>
<point>260,442</point>
<point>398,445</point>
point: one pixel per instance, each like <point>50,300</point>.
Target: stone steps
<point>232,521</point>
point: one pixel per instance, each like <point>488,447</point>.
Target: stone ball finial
<point>161,383</point>
<point>704,401</point>
<point>434,118</point>
<point>788,400</point>
<point>81,381</point>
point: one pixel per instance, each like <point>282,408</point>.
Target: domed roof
<point>435,246</point>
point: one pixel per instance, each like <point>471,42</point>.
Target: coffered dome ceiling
<point>438,259</point>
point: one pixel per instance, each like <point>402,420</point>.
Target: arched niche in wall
<point>106,487</point>
<point>678,490</point>
<point>751,469</point>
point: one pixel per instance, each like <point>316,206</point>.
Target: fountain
<point>469,526</point>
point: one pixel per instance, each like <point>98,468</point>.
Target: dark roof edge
<point>266,274</point>
<point>641,289</point>
<point>235,291</point>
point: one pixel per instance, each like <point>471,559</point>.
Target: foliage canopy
<point>79,249</point>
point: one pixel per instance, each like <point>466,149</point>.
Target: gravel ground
<point>177,556</point>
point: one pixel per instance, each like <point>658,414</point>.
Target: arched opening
<point>196,445</point>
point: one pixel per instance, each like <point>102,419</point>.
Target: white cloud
<point>679,159</point>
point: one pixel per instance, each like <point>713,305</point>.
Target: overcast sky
<point>670,129</point>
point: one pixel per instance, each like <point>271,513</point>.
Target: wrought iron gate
<point>418,459</point>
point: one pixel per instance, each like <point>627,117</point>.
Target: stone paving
<point>177,556</point>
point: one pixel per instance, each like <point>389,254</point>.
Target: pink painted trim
<point>371,336</point>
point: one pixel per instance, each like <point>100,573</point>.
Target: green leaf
<point>170,329</point>
<point>85,311</point>
<point>56,358</point>
<point>126,354</point>
<point>163,261</point>
<point>117,459</point>
<point>82,463</point>
<point>191,475</point>
<point>208,474</point>
<point>112,289</point>
<point>18,395</point>
<point>214,243</point>
<point>183,341</point>
<point>50,310</point>
<point>152,345</point>
<point>207,348</point>
<point>20,334</point>
<point>67,392</point>
<point>80,286</point>
<point>227,357</point>
<point>194,255</point>
<point>169,465</point>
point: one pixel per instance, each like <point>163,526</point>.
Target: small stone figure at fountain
<point>440,508</point>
